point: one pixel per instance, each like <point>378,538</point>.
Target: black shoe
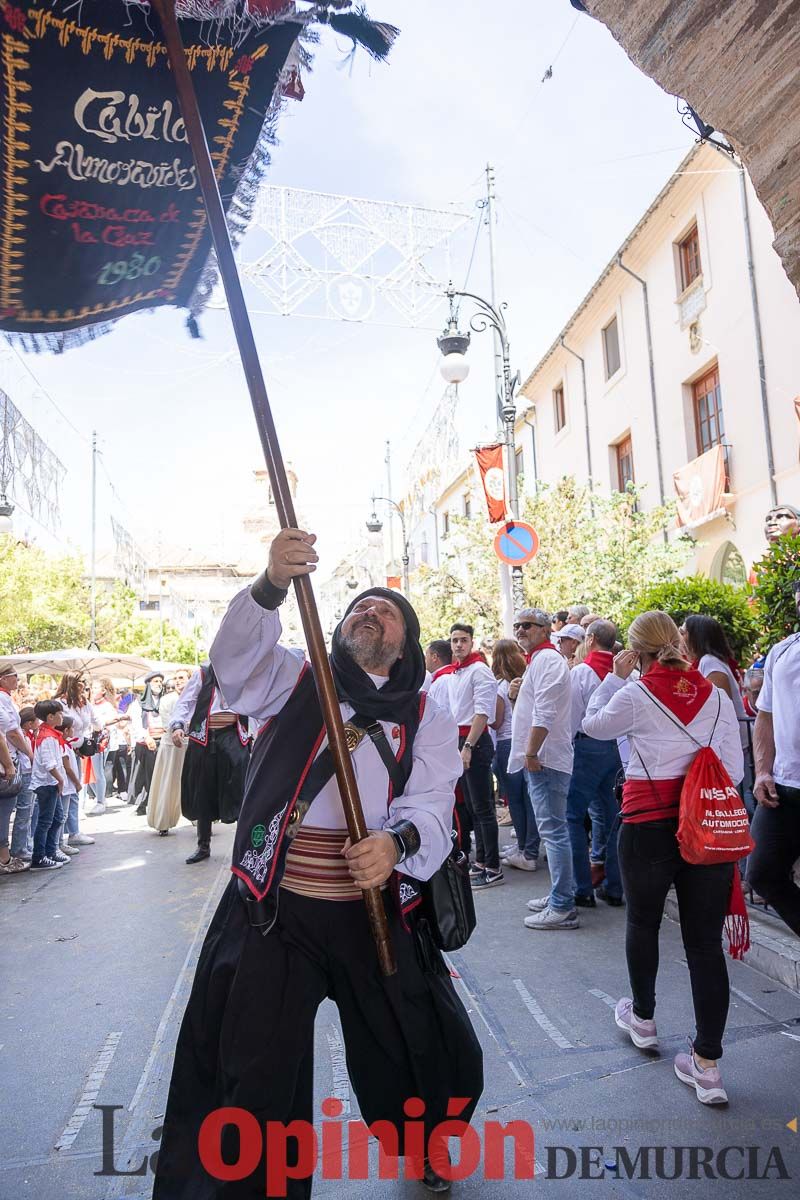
<point>163,832</point>
<point>585,902</point>
<point>200,853</point>
<point>434,1182</point>
<point>614,901</point>
<point>141,809</point>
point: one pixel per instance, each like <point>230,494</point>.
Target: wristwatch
<point>400,845</point>
<point>468,746</point>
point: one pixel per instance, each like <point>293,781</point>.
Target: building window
<point>468,507</point>
<point>689,252</point>
<point>611,348</point>
<point>728,566</point>
<point>149,605</point>
<point>708,421</point>
<point>519,464</point>
<point>445,524</point>
<point>559,407</point>
<point>624,451</point>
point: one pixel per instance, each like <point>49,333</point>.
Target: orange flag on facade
<point>490,465</point>
<point>700,487</point>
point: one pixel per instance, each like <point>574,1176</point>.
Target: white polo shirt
<point>472,692</point>
<point>780,696</point>
<point>545,701</point>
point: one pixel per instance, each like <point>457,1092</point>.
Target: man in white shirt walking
<point>541,744</point>
<point>776,824</point>
<point>473,704</point>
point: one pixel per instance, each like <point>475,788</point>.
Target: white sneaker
<point>80,839</point>
<point>97,811</point>
<point>539,905</point>
<point>61,857</point>
<point>70,851</point>
<point>519,861</point>
<point>550,919</point>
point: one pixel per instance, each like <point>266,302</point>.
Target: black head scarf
<point>149,701</point>
<point>398,699</point>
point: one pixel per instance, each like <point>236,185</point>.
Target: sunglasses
<point>528,625</point>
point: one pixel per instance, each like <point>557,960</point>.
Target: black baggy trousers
<point>247,1038</point>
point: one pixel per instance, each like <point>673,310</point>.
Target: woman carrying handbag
<point>666,715</point>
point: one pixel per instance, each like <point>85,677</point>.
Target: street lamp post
<point>375,525</point>
<point>455,368</point>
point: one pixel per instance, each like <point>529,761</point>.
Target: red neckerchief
<point>545,645</point>
<point>601,662</point>
<point>448,670</point>
<point>683,692</point>
<point>47,731</point>
<point>470,660</point>
<point>748,708</point>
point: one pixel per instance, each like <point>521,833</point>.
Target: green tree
<point>466,585</point>
<point>120,630</point>
<point>775,574</point>
<point>44,600</point>
<point>599,550</point>
<point>699,595</point>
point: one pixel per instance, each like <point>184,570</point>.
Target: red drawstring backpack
<point>713,826</point>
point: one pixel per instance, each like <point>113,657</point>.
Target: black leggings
<point>650,862</point>
<point>478,786</point>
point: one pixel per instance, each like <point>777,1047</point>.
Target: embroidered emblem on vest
<point>258,836</point>
<point>258,864</point>
<point>407,892</point>
<point>353,736</point>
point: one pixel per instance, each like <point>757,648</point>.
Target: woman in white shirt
<point>667,715</point>
<point>508,663</point>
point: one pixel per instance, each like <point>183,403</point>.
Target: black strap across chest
<point>323,769</point>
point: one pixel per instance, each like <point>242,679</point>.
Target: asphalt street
<point>98,959</point>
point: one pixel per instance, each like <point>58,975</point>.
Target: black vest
<point>200,724</point>
<point>275,804</point>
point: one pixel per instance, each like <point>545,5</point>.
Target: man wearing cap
<point>568,638</point>
<point>541,745</point>
<point>291,928</point>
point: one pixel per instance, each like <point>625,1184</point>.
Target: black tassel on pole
<point>376,37</point>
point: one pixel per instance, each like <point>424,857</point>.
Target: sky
<point>578,157</point>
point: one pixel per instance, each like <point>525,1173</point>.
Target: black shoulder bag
<point>447,903</point>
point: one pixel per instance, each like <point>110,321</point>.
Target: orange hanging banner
<point>490,465</point>
<point>700,487</point>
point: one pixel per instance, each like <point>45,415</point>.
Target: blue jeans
<point>548,792</point>
<point>592,789</point>
<point>48,827</point>
<point>519,806</point>
<point>22,817</point>
<point>71,813</point>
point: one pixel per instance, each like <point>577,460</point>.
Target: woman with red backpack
<point>673,716</point>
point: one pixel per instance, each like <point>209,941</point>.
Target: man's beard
<point>369,648</point>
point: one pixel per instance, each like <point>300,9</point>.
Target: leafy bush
<point>776,572</point>
<point>697,594</point>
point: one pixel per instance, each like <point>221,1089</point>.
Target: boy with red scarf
<point>594,773</point>
<point>48,782</point>
<point>472,696</point>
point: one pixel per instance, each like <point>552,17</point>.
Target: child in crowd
<point>69,800</point>
<point>48,782</point>
<point>29,724</point>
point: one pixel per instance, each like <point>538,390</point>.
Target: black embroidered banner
<point>100,210</point>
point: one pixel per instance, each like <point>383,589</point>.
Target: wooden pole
<point>284,502</point>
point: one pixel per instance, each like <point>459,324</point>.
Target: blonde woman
<point>665,715</point>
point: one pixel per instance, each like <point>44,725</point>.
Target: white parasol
<point>89,662</point>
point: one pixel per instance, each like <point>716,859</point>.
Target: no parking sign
<point>516,543</point>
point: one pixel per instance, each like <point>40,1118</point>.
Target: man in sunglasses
<point>541,745</point>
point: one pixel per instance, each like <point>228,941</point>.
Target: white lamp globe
<point>454,368</point>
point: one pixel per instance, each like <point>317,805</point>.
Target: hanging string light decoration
<point>30,473</point>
